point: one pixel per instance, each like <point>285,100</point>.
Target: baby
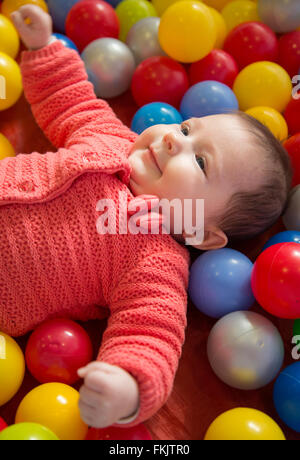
<point>53,262</point>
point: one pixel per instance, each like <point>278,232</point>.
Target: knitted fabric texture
<point>54,263</point>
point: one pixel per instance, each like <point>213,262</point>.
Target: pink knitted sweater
<point>54,263</point>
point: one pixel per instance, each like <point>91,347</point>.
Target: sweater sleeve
<point>146,327</point>
<point>63,101</point>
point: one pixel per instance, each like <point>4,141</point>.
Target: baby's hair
<point>250,213</point>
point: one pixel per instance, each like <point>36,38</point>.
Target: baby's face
<point>209,158</point>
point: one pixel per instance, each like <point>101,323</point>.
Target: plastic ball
<point>11,86</point>
<point>12,368</point>
<point>90,20</point>
<point>220,282</point>
<point>283,237</point>
<point>143,41</point>
<point>263,84</point>
<point>6,149</point>
<point>292,145</point>
<point>208,98</point>
<point>289,52</point>
<point>286,395</point>
<point>217,4</point>
<point>159,79</point>
<point>9,38</point>
<point>251,42</point>
<point>110,65</point>
<point>111,433</point>
<point>162,5</point>
<point>56,350</point>
<point>66,41</point>
<point>275,280</point>
<point>55,406</point>
<point>221,28</point>
<point>272,119</point>
<point>291,216</point>
<point>281,16</point>
<point>292,116</point>
<point>238,12</point>
<point>27,432</point>
<point>3,424</point>
<point>9,6</point>
<point>245,350</point>
<point>130,12</point>
<point>217,65</point>
<point>156,113</point>
<point>243,424</point>
<point>187,31</point>
<point>59,11</point>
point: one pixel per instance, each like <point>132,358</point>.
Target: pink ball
<point>56,350</point>
<point>217,65</point>
<point>159,79</point>
<point>89,20</point>
<point>251,42</point>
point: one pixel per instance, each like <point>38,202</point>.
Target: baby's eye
<point>185,130</point>
<point>201,162</point>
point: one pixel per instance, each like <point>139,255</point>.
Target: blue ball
<point>156,113</point>
<point>286,395</point>
<point>208,98</point>
<point>114,3</point>
<point>66,41</point>
<point>220,282</point>
<point>289,236</point>
<point>59,11</point>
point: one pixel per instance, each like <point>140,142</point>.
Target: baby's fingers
<point>18,21</point>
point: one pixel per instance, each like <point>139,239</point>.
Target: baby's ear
<point>214,238</point>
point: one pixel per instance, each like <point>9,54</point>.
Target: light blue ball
<point>208,98</point>
<point>66,41</point>
<point>155,113</point>
<point>286,395</point>
<point>59,10</point>
<point>280,15</point>
<point>283,237</point>
<point>220,282</point>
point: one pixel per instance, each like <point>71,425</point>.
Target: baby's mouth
<point>153,155</point>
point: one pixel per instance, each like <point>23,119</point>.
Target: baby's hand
<point>37,34</point>
<point>109,394</point>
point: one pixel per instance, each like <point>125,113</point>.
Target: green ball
<point>27,432</point>
<point>296,328</point>
<point>131,11</point>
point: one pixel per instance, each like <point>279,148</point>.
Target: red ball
<point>3,425</point>
<point>289,52</point>
<point>217,65</point>
<point>292,145</point>
<point>56,350</point>
<point>136,433</point>
<point>292,116</point>
<point>275,280</point>
<point>251,42</point>
<point>159,79</point>
<point>89,20</point>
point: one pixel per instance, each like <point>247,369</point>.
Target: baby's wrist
<point>51,40</point>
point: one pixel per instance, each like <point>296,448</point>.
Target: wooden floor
<point>198,396</point>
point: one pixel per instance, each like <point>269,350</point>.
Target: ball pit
<point>238,12</point>
<point>286,395</point>
<point>12,368</point>
<point>217,65</point>
<point>280,16</point>
<point>292,117</point>
<point>272,119</point>
<point>9,39</point>
<point>155,113</point>
<point>27,432</point>
<point>130,12</point>
<point>8,6</point>
<point>11,86</point>
<point>6,149</point>
<point>292,145</point>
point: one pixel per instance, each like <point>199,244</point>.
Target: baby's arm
<point>144,337</point>
<point>56,86</point>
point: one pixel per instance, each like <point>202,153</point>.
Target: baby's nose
<point>171,143</point>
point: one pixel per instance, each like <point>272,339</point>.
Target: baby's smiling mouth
<point>152,153</point>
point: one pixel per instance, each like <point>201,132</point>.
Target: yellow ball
<point>8,6</point>
<point>55,406</point>
<point>11,86</point>
<point>217,4</point>
<point>220,28</point>
<point>187,31</point>
<point>242,424</point>
<point>9,38</point>
<point>272,119</point>
<point>263,84</point>
<point>12,368</point>
<point>6,149</point>
<point>239,11</point>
